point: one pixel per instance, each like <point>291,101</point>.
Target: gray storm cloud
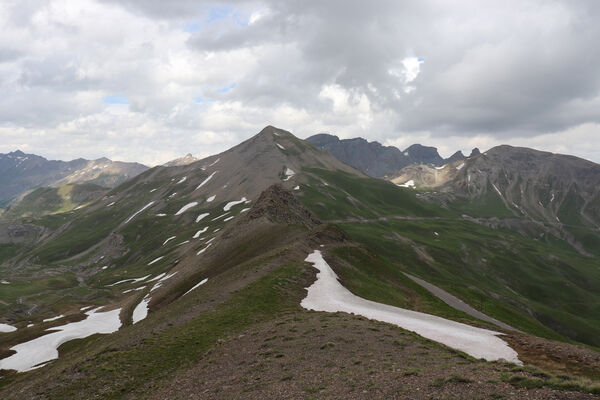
<point>208,74</point>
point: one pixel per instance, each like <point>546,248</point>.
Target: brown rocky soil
<point>339,356</point>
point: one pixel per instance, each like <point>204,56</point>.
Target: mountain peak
<point>475,152</point>
<point>279,205</point>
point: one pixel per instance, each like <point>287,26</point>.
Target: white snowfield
<point>211,198</point>
<point>182,180</point>
<point>157,259</point>
<point>202,282</point>
<point>288,173</point>
<point>409,183</point>
<point>234,203</point>
<point>157,277</point>
<point>168,240</point>
<point>204,249</point>
<point>134,290</point>
<point>280,146</point>
<point>186,207</point>
<point>459,167</point>
<point>220,216</point>
<point>218,159</point>
<point>204,182</point>
<point>29,355</point>
<point>497,190</point>
<point>201,216</point>
<point>134,280</point>
<point>7,328</point>
<point>143,208</point>
<point>140,311</point>
<point>161,280</point>
<point>327,294</point>
<point>53,318</point>
<point>228,219</point>
<point>200,232</point>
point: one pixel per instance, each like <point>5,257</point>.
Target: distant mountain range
<point>185,273</point>
<point>21,172</point>
<point>377,160</point>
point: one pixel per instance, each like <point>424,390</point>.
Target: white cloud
<point>522,72</point>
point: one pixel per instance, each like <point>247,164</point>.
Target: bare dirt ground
<point>310,355</point>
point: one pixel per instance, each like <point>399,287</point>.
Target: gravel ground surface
<point>316,355</point>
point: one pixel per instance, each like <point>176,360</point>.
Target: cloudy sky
<point>151,80</point>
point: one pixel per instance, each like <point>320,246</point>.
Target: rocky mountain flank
<point>556,189</point>
<point>377,160</point>
<point>21,172</point>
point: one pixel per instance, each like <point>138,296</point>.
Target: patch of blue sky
<point>201,99</point>
<point>420,59</point>
<point>218,12</point>
<point>192,27</point>
<point>115,99</point>
<point>226,88</point>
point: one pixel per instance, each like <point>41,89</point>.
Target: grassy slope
<point>503,274</point>
<point>114,366</point>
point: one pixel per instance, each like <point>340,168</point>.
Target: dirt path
<point>458,304</point>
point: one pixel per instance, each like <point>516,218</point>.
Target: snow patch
<point>157,259</point>
<point>140,311</point>
<point>200,232</point>
<point>143,208</point>
<point>244,210</point>
<point>296,187</point>
<point>409,183</point>
<point>280,146</point>
<point>233,203</point>
<point>201,216</point>
<point>161,215</point>
<point>459,167</point>
<point>111,204</point>
<point>442,167</point>
<point>134,280</point>
<point>228,219</point>
<point>7,328</point>
<point>182,180</point>
<point>497,190</point>
<point>169,239</point>
<point>211,198</point>
<point>288,173</point>
<point>134,290</point>
<point>206,180</point>
<point>202,282</point>
<point>186,207</point>
<point>203,250</point>
<point>29,355</point>
<point>220,216</point>
<point>53,318</point>
<point>161,280</point>
<point>218,159</point>
<point>327,294</point>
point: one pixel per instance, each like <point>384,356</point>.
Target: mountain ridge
<point>21,172</point>
<point>377,160</point>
